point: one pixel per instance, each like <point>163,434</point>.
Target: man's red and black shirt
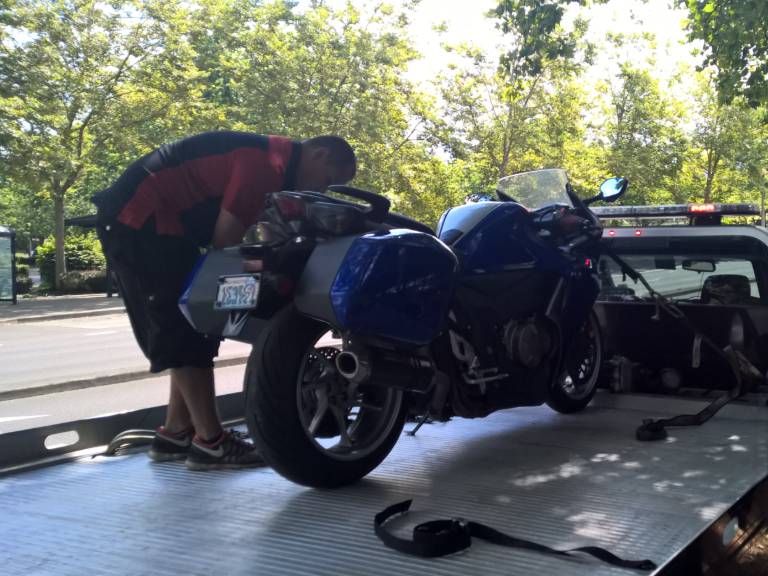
<point>179,189</point>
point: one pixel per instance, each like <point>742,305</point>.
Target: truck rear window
<point>685,278</point>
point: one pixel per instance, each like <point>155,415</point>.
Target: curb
<point>62,315</point>
<point>100,381</point>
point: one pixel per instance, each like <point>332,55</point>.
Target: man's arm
<point>228,231</point>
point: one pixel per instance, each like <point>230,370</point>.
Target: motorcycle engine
<point>527,341</point>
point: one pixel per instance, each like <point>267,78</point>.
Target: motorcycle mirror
<point>613,188</point>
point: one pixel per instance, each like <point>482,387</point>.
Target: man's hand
<point>229,230</point>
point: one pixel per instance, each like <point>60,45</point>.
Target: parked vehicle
<point>362,317</point>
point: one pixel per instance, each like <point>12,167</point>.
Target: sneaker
<point>231,450</point>
<point>167,447</point>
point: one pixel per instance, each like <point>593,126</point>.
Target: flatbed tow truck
<point>694,503</point>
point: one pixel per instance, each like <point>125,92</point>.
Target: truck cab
<point>705,259</point>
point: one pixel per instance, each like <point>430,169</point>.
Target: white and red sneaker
<point>230,450</point>
<point>169,446</point>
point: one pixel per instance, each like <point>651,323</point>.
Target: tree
<point>332,70</point>
<point>719,132</point>
<point>501,131</point>
<point>28,214</point>
<point>644,142</point>
<point>91,86</point>
<point>75,77</point>
<point>736,35</point>
<point>520,112</point>
<point>534,30</point>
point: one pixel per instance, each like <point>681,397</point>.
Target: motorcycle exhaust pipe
<point>388,370</point>
<point>353,366</point>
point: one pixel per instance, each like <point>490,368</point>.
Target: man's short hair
<point>341,152</point>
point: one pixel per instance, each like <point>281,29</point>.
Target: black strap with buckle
<point>442,537</point>
<point>653,430</point>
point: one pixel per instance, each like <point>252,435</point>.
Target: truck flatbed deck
<point>560,480</point>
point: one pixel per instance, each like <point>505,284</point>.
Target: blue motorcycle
<point>361,318</point>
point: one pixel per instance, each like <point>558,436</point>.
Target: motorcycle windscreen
<point>395,285</point>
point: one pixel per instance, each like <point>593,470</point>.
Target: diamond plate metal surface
<point>560,480</point>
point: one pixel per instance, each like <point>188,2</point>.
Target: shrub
<point>81,252</point>
<point>22,270</point>
<point>79,281</point>
<point>23,285</point>
<point>22,258</point>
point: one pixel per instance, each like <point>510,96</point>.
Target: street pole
<point>13,267</point>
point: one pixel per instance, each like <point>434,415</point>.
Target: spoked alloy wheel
<point>577,384</point>
<point>342,420</point>
<point>311,424</point>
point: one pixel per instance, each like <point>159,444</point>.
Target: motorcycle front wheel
<point>574,389</point>
<point>310,424</point>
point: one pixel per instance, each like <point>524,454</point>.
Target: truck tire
<point>280,401</point>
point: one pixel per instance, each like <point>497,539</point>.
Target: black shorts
<point>151,272</point>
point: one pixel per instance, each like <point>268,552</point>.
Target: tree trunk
<point>713,159</point>
<point>58,215</point>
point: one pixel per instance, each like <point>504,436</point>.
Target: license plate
<point>238,292</point>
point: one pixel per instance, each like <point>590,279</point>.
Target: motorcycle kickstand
<point>420,422</point>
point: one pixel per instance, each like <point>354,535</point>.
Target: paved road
<point>56,351</point>
<point>74,405</point>
<point>74,304</point>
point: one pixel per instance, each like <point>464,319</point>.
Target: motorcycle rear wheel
<point>309,423</point>
<point>576,386</point>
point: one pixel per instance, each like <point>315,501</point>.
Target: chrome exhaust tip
<point>348,364</point>
<point>353,366</point>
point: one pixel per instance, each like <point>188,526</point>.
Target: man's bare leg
<point>193,392</point>
<point>177,416</point>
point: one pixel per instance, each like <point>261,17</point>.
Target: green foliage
<point>736,33</point>
<point>22,258</point>
<point>645,145</point>
<point>538,37</point>
<point>81,281</point>
<point>727,148</point>
<point>75,76</point>
<point>83,252</point>
<point>499,124</point>
<point>86,87</point>
<point>90,86</point>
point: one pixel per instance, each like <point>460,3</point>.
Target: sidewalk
<point>58,307</point>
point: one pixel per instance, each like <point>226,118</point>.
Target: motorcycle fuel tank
<point>497,237</point>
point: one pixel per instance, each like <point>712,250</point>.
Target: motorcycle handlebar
<point>582,208</point>
<point>583,239</point>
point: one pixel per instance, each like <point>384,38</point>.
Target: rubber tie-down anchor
<point>651,431</point>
